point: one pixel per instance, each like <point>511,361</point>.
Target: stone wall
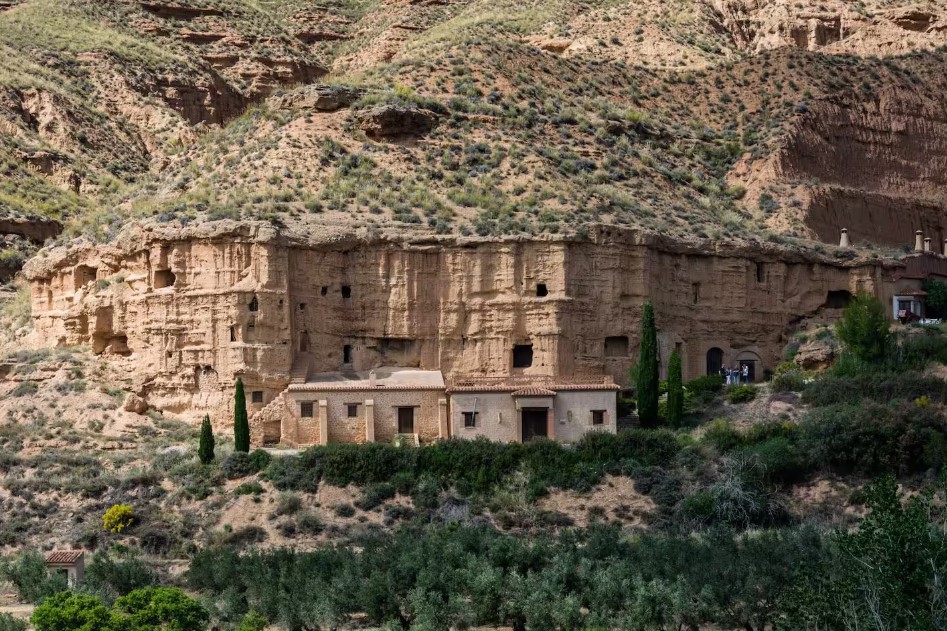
<point>195,307</point>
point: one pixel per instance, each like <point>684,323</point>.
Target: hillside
<point>773,121</point>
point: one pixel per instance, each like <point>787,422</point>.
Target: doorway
<point>405,420</point>
<point>535,423</point>
<point>751,369</point>
<point>714,361</point>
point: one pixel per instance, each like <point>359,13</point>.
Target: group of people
<point>737,374</point>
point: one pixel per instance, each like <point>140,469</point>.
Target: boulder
<point>396,121</point>
<point>325,98</point>
<point>134,403</point>
<point>815,354</point>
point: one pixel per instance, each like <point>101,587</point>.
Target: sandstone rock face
<point>815,354</point>
<point>134,403</point>
<point>198,306</point>
<point>395,121</point>
<point>325,98</point>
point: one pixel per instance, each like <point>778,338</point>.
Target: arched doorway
<point>753,364</point>
<point>714,361</point>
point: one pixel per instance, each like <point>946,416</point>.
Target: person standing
<point>746,373</point>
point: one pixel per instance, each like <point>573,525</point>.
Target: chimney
<point>918,241</point>
<point>945,247</point>
<point>371,379</point>
<point>927,244</point>
<point>843,242</point>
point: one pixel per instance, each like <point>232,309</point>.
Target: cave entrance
<point>838,299</point>
<point>164,278</point>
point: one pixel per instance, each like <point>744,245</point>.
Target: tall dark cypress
<point>205,450</point>
<point>675,390</point>
<point>648,369</point>
<point>241,423</point>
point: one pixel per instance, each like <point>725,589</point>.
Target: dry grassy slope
<point>557,112</point>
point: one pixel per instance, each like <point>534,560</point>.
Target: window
<point>405,420</point>
<point>347,354</point>
<point>906,305</point>
<point>304,342</point>
<point>233,333</point>
<point>164,278</point>
<point>302,306</point>
<point>541,290</point>
<point>760,273</point>
<point>470,419</point>
<point>351,410</point>
<point>254,304</point>
<point>305,409</point>
<point>695,291</point>
<point>616,346</point>
<point>256,396</point>
<point>346,291</point>
<point>323,291</point>
<point>522,356</point>
<point>598,417</point>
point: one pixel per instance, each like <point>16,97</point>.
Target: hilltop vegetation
<point>194,110</point>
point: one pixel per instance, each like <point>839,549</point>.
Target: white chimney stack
<point>927,244</point>
<point>844,242</point>
<point>371,379</point>
<point>918,241</point>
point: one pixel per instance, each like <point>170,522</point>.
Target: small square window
<point>324,290</point>
<point>541,290</point>
<point>256,396</point>
<point>470,419</point>
<point>305,409</point>
<point>598,417</point>
<point>351,409</point>
<point>346,291</point>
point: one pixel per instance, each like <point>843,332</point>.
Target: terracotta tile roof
<point>322,387</point>
<point>533,391</point>
<point>63,557</point>
<point>516,388</point>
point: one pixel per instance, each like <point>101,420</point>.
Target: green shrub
<point>248,488</point>
<point>259,460</point>
<point>872,438</point>
<point>723,435</point>
<point>374,495</point>
<point>9,623</point>
<point>25,389</point>
<point>30,577</point>
<point>72,611</point>
<point>705,386</point>
<point>863,328</point>
<point>780,459</point>
<point>237,465</point>
<point>788,378</point>
<point>162,608</point>
<point>109,576</point>
<point>882,387</point>
<point>741,393</point>
<point>253,622</point>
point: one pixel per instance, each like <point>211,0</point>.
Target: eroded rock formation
<point>197,306</point>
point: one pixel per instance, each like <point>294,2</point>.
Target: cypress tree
<point>205,450</point>
<point>648,369</point>
<point>675,391</point>
<point>241,423</point>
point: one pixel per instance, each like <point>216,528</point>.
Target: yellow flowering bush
<point>118,518</point>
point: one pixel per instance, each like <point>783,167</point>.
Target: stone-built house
<point>377,405</point>
<point>71,563</point>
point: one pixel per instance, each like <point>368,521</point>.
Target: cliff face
<point>195,312</point>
